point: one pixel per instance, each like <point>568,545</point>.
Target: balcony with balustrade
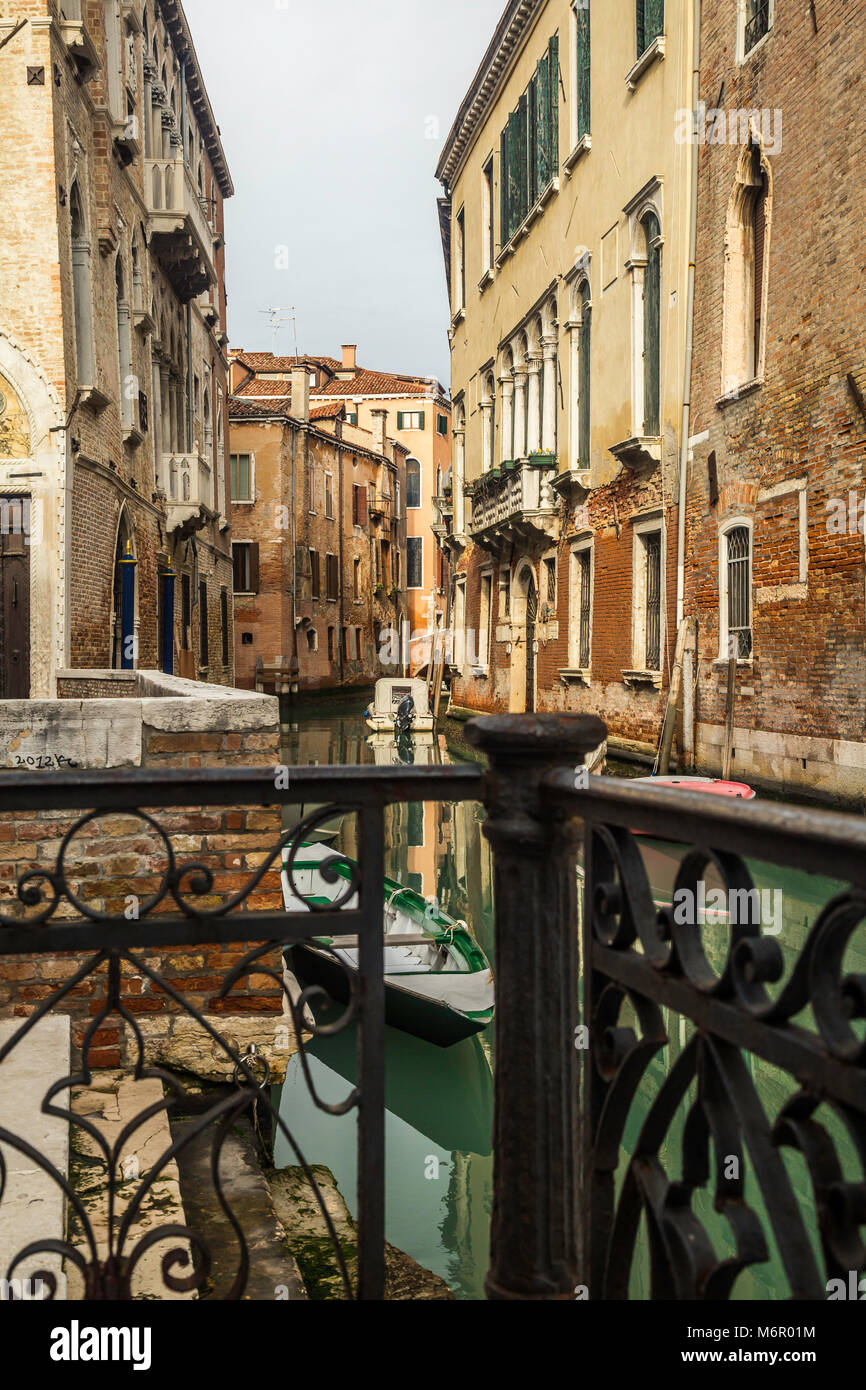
<point>180,232</point>
<point>188,483</point>
<point>515,503</point>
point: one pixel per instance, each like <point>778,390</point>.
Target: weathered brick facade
<point>320,500</point>
<point>794,439</point>
<point>112,333</point>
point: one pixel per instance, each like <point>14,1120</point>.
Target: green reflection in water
<point>440,1100</point>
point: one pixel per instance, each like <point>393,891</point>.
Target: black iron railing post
<point>534,1237</point>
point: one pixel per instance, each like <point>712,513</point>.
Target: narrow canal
<point>438,1125</point>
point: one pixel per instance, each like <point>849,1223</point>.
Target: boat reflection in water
<point>438,1126</point>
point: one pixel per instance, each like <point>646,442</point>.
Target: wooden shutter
<point>553,90</point>
<point>539,137</point>
<point>522,158</point>
<point>760,222</point>
<point>399,419</point>
<point>315,578</point>
<point>254,567</point>
<point>333,578</point>
<point>355,491</point>
<point>363,512</point>
<point>640,23</point>
<point>584,69</point>
<point>422,415</point>
<point>516,152</point>
<point>584,381</point>
<point>504,227</point>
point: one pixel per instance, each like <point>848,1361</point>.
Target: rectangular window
<point>332,578</point>
<point>650,16</point>
<point>757,23</point>
<point>413,483</point>
<point>530,144</point>
<point>442,424</point>
<point>241,478</point>
<point>245,555</point>
<point>485,620</point>
<point>410,419</point>
<point>186,611</point>
<point>224,625</point>
<point>330,644</point>
<point>739,594</point>
<point>582,69</point>
<point>315,575</point>
<point>415,562</point>
<point>359,505</point>
<point>312,640</point>
<point>356,580</point>
<point>352,418</point>
<point>415,824</point>
<point>505,593</point>
<point>487,231</point>
<point>329,495</point>
<point>203,635</point>
<point>550,582</point>
<point>460,263</point>
<point>358,647</point>
<point>653,561</point>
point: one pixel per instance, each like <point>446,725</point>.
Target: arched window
<point>584,359</point>
<point>652,326</point>
<point>746,260</point>
<point>81,290</point>
<point>413,483</point>
<point>491,418</point>
<point>124,653</point>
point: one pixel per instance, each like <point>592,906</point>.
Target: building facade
<point>565,228</point>
<point>775,573</point>
<point>319,543</point>
<point>113,373</point>
<point>418,415</point>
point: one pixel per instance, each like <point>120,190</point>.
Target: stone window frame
<point>743,54</point>
<point>648,201</point>
<point>482,663</point>
<point>578,548</point>
<point>733,523</point>
<point>732,386</point>
<point>648,523</point>
<point>245,501</point>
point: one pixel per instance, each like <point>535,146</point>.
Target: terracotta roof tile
<point>366,383</point>
<point>262,387</point>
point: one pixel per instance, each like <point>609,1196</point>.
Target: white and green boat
<point>438,981</point>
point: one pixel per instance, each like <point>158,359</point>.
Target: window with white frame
<point>459,654</point>
<point>648,596</point>
<point>756,19</point>
<point>580,606</point>
<point>485,619</point>
<point>735,591</point>
<point>410,419</point>
<point>242,477</point>
<point>413,483</point>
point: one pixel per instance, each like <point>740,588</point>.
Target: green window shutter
<point>233,463</point>
<point>399,419</point>
<point>553,116</point>
<point>650,15</point>
<point>522,139</point>
<point>584,68</point>
<point>421,426</point>
<point>652,329</point>
<point>534,143</point>
<point>640,22</point>
<point>542,124</point>
<point>504,232</point>
<point>514,171</point>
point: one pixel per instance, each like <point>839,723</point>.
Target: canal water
<point>439,1100</point>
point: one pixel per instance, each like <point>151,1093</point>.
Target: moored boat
<point>438,981</point>
<point>399,706</point>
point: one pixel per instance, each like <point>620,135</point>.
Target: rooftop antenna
<point>279,317</point>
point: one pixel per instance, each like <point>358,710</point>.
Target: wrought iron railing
<point>629,1049</point>
<point>51,914</point>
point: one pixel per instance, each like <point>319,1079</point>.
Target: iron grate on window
<point>757,22</point>
<point>585,600</point>
<point>739,604</point>
<point>653,600</point>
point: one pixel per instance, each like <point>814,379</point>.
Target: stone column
<point>533,411</point>
<point>156,427</point>
<point>459,479</point>
<point>519,442</point>
<point>487,437</point>
<point>549,388</point>
<point>535,1235</point>
<point>506,381</point>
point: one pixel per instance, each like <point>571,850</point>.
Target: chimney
<point>300,393</point>
<point>380,425</point>
<point>350,351</point>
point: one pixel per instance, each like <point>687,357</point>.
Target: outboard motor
<point>405,717</point>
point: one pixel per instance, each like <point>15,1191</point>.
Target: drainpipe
<point>340,562</point>
<point>690,322</point>
<point>295,658</point>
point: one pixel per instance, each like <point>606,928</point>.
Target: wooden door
<point>531,613</point>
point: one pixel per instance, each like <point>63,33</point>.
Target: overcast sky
<point>333,115</point>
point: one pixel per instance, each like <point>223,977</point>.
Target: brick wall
<point>117,862</point>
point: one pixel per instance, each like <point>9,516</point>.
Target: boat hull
<point>423,1017</point>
